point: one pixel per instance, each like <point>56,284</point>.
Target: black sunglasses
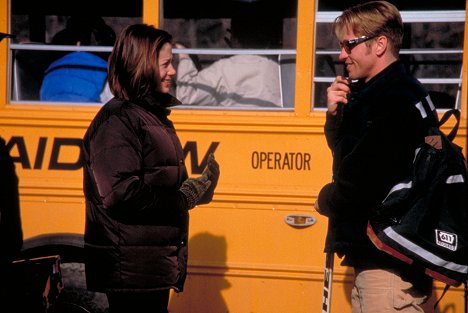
<point>348,45</point>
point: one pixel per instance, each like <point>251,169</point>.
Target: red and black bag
<point>423,220</point>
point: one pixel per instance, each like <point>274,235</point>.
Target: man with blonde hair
<point>373,127</point>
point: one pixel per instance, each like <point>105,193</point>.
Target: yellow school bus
<point>258,247</point>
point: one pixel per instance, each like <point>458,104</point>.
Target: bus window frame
<point>285,107</point>
<point>46,47</point>
<point>435,16</point>
<point>307,17</point>
<point>228,52</point>
<point>151,15</point>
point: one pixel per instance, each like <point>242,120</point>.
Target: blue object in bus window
<point>76,77</point>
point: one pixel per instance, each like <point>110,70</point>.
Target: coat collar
<point>158,103</point>
<point>396,69</point>
<point>361,89</point>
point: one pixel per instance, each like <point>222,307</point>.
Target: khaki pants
<point>381,291</point>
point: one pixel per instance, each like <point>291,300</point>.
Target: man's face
<point>360,61</point>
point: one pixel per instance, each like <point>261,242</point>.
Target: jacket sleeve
<point>379,159</point>
<point>116,166</point>
<point>332,127</point>
<point>197,87</point>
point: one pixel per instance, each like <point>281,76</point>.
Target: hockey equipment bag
<point>424,219</point>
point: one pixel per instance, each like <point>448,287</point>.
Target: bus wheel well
<point>68,246</point>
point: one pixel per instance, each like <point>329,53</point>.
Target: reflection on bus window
<point>240,55</point>
<point>36,48</point>
<point>432,49</point>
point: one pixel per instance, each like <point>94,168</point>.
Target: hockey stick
<point>327,283</point>
<point>466,296</point>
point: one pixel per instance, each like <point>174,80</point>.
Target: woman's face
<point>166,69</point>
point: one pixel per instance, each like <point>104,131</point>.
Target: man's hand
<point>337,93</point>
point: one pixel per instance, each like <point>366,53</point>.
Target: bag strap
<point>445,117</point>
<point>428,111</point>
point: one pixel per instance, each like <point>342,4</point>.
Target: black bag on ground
<point>36,283</point>
<point>424,219</point>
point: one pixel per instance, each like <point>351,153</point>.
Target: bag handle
<point>434,119</point>
<point>445,117</point>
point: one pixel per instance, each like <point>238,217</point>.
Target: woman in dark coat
<point>136,186</point>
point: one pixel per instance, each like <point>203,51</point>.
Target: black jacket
<point>373,139</point>
<point>136,219</point>
<point>11,234</point>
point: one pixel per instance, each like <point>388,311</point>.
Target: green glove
<point>212,172</point>
<point>194,188</point>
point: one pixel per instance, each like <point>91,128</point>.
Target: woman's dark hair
<point>133,71</point>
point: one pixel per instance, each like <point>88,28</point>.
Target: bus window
<point>47,32</point>
<point>432,47</point>
<point>236,54</point>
